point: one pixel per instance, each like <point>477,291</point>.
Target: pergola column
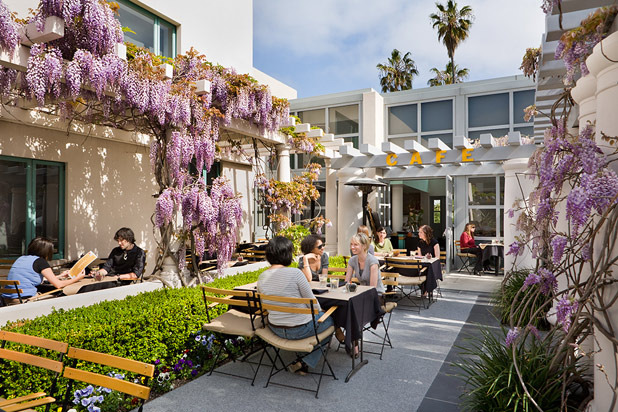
<point>397,207</point>
<point>283,171</point>
<point>331,208</point>
<point>349,209</point>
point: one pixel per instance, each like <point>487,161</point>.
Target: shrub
<point>509,296</point>
<point>492,383</point>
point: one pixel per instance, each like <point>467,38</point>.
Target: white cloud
<point>348,38</point>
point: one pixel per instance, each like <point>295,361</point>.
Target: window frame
<point>156,27</point>
<point>418,136</point>
<point>511,126</point>
<point>30,233</point>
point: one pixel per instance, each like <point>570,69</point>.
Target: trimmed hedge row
<point>146,327</point>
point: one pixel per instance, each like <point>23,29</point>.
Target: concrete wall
<point>108,185</point>
<point>241,178</point>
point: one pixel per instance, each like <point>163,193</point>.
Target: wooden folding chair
<point>411,276</point>
<point>10,286</point>
<point>465,258</point>
<point>306,345</point>
<point>80,356</point>
<point>234,322</point>
<point>55,365</point>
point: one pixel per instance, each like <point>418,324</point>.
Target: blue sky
<point>330,46</point>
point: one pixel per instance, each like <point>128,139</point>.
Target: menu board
<point>81,264</point>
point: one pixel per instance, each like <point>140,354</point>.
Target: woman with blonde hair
<point>362,265</point>
<point>364,229</point>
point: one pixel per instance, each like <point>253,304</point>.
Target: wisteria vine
<point>82,78</point>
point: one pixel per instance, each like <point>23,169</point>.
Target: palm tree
<point>397,74</point>
<point>453,26</point>
<point>446,76</point>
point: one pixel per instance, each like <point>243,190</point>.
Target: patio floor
<point>413,376</point>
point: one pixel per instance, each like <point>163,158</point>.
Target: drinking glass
<point>322,280</point>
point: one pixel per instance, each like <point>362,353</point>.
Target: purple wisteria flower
<point>515,249</point>
<point>512,336</point>
<point>565,309</point>
<point>558,243</point>
<point>534,331</point>
<point>531,279</point>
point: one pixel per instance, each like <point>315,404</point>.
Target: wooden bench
<point>253,254</point>
<point>14,288</point>
<point>34,399</point>
<point>80,357</point>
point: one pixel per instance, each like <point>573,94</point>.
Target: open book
<point>81,264</point>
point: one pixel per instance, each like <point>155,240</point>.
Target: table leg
<point>363,362</point>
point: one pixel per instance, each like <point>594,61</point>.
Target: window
<point>314,117</point>
<point>521,100</point>
<point>31,204</point>
<point>150,31</point>
<point>447,138</point>
<point>343,119</point>
<point>486,205</point>
<point>499,114</point>
<point>402,119</point>
<point>437,116</point>
<point>436,211</point>
<point>353,140</point>
<point>489,110</point>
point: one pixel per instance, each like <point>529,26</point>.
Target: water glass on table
<point>322,277</point>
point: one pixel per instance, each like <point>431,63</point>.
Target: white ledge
<point>202,87</point>
<point>302,128</point>
<point>53,30</point>
<point>315,133</point>
<point>461,142</point>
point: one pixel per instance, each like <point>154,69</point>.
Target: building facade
<point>385,133</point>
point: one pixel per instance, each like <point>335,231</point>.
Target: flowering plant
<point>576,45</point>
<point>96,399</point>
<point>81,78</point>
<point>530,62</point>
<point>301,141</point>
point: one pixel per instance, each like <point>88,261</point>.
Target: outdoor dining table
<point>89,285</point>
<point>354,311</point>
<point>493,250</point>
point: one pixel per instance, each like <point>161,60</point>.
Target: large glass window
<point>343,119</point>
<point>476,134</point>
<point>402,119</point>
<point>314,117</point>
<point>486,205</point>
<point>489,110</point>
<point>447,138</point>
<point>31,204</point>
<point>521,100</point>
<point>437,116</point>
<point>149,30</point>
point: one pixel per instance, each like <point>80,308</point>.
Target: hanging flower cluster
<point>530,62</point>
<point>301,142</point>
<point>577,44</point>
<point>283,198</point>
<point>9,30</point>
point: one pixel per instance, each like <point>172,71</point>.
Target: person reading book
<point>127,260</point>
<point>31,269</point>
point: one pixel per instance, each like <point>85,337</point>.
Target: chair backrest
<point>79,356</point>
<point>241,298</point>
<point>443,257</point>
<point>309,305</point>
<point>336,270</point>
<point>458,246</point>
<point>404,263</point>
<point>4,288</point>
<point>53,365</point>
<point>390,279</point>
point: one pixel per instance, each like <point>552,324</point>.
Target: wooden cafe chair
<point>241,319</point>
<point>306,345</point>
<point>406,283</point>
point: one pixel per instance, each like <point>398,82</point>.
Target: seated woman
<point>281,280</point>
<point>32,268</point>
<point>364,229</point>
<point>381,244</point>
<point>427,244</point>
<point>127,260</point>
<point>314,260</point>
<point>467,245</point>
<point>363,266</point>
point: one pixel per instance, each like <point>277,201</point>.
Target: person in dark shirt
<point>427,243</point>
<point>127,260</point>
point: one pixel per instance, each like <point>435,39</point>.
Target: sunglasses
<point>321,246</point>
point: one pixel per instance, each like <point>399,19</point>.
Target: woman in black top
<point>127,260</point>
<point>427,244</point>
